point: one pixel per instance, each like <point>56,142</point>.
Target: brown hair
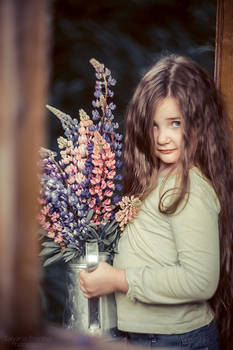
<point>206,144</point>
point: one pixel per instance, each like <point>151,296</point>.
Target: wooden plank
<point>8,101</point>
<point>224,53</point>
<point>23,73</point>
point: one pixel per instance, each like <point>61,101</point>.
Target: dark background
<point>127,36</point>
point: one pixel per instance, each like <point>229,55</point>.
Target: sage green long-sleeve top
<point>171,263</point>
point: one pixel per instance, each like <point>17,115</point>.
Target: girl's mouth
<point>166,151</point>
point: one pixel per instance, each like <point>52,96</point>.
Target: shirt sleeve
<point>195,276</point>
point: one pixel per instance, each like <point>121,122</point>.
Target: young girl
<point>173,275</point>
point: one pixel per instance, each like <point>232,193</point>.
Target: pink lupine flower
<point>82,130</point>
<point>96,180</point>
<point>71,169</point>
<point>106,146</point>
<point>92,202</point>
<point>107,216</point>
<point>97,211</point>
<point>81,164</point>
<point>92,191</point>
<point>42,201</point>
<point>111,185</point>
<point>108,208</point>
<point>98,162</point>
<point>42,219</point>
<point>97,171</point>
<point>129,210</point>
<point>71,180</point>
<point>106,202</point>
<point>103,185</point>
<point>98,190</point>
<point>66,160</point>
<point>96,156</point>
<point>82,150</point>
<point>46,226</point>
<point>45,210</point>
<point>54,217</point>
<point>51,234</point>
<point>76,153</point>
<point>82,139</point>
<point>110,163</point>
<point>65,153</point>
<point>59,238</point>
<point>111,174</point>
<point>57,226</point>
<point>79,178</point>
<point>108,193</point>
<point>110,154</point>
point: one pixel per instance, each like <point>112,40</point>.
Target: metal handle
<point>92,261</point>
<point>92,255</point>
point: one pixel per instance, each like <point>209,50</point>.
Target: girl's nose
<point>162,137</point>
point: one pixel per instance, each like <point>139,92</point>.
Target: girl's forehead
<point>167,107</point>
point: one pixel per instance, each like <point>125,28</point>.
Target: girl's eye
<point>176,123</point>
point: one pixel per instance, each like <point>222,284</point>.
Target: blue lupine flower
<point>118,187</point>
<point>111,81</point>
<point>108,112</point>
<point>110,93</point>
<point>95,115</point>
<point>118,154</point>
<point>112,106</point>
<point>116,198</point>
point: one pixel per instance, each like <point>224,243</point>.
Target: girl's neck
<point>168,170</point>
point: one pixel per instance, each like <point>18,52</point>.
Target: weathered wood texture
<point>224,53</point>
<point>224,59</point>
<point>23,74</point>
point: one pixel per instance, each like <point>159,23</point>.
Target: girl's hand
<point>105,279</point>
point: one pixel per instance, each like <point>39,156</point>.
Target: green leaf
<point>108,227</point>
<point>48,251</point>
<point>93,224</point>
<point>89,215</point>
<point>105,241</point>
<point>112,229</point>
<point>43,233</point>
<point>112,238</point>
<point>50,244</point>
<point>53,259</point>
<point>68,258</point>
<point>68,253</point>
<point>94,233</point>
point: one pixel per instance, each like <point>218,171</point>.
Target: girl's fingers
<point>87,296</point>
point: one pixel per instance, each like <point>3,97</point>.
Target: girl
<point>173,275</point>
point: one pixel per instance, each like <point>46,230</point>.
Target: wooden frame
<point>224,53</point>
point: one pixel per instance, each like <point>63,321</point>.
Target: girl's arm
<point>104,280</point>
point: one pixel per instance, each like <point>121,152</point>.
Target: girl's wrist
<point>120,281</point>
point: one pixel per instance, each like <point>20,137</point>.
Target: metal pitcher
<point>97,315</point>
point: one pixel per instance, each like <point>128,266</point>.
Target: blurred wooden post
<point>224,58</point>
<point>224,52</point>
<point>23,75</point>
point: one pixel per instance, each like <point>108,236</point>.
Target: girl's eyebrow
<point>173,118</point>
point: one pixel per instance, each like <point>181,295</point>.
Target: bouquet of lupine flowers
<point>80,193</point>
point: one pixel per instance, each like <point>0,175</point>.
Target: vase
<point>96,316</point>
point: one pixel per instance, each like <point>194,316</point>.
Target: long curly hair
<point>206,144</point>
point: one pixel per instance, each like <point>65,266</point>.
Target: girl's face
<point>168,132</point>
